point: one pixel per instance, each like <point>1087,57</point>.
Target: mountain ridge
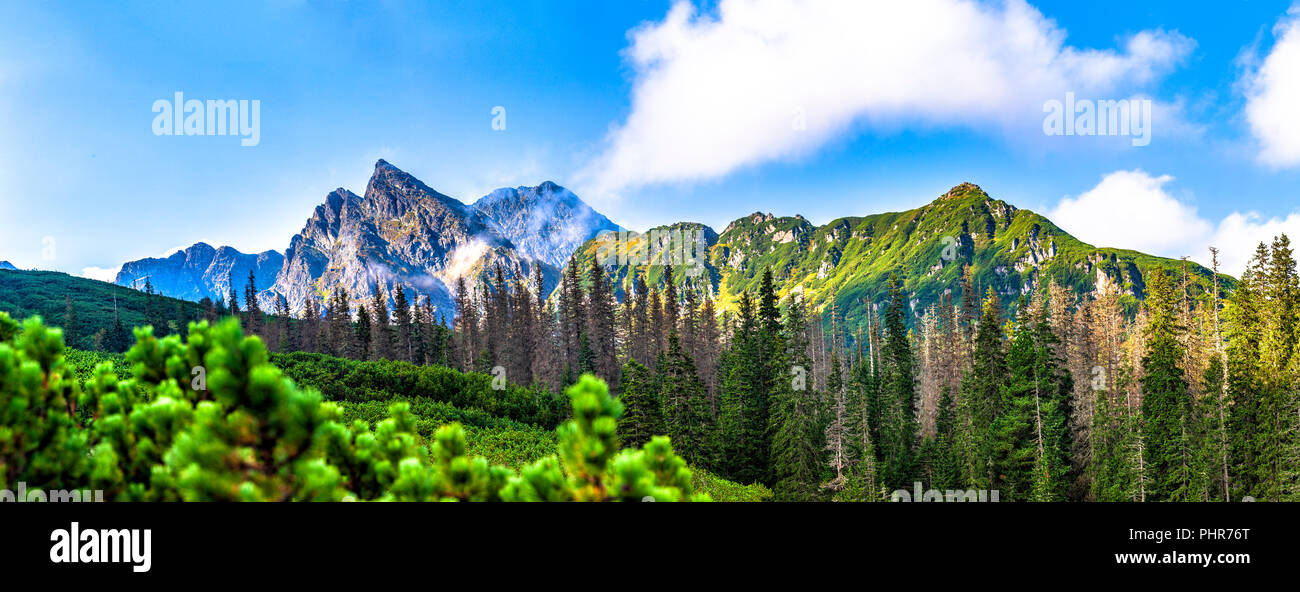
<point>399,231</point>
<point>848,259</point>
<point>402,231</point>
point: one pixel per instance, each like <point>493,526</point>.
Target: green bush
<point>341,379</point>
<point>212,419</point>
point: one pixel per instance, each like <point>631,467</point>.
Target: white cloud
<point>715,93</point>
<point>1273,96</point>
<point>1133,210</point>
<point>103,274</point>
<point>1238,234</point>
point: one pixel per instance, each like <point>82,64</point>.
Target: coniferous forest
<point>806,266</point>
<point>1050,397</point>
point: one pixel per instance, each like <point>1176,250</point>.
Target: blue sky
<point>650,111</point>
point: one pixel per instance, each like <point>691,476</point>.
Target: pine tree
<point>209,309</point>
<point>708,349</point>
<point>311,326</point>
<point>182,320</point>
<point>838,448</point>
<point>572,313</point>
<point>361,334</point>
<point>339,331</point>
<point>600,323</point>
<point>640,341</point>
<point>642,417</point>
<point>899,425</point>
<point>381,332</point>
<point>117,340</point>
<point>252,310</point>
<point>742,442</point>
<point>154,314</point>
<point>1166,403</point>
<point>685,407</point>
<point>466,326</point>
<point>405,339</point>
<point>656,337</point>
<point>671,304</point>
<point>285,328</point>
<point>70,328</point>
<point>233,299</point>
<point>981,397</point>
<point>798,438</point>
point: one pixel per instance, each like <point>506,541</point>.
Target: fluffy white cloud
<point>1273,96</point>
<point>765,80</point>
<point>1133,210</point>
<point>103,274</point>
<point>1239,233</point>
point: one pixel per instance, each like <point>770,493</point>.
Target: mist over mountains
<point>399,231</point>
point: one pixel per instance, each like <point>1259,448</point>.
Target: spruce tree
<point>252,309</point>
<point>600,323</point>
<point>361,336</point>
<point>1166,402</point>
<point>642,417</point>
<point>685,406</point>
<point>981,398</point>
<point>899,429</point>
<point>381,333</point>
<point>405,339</point>
<point>70,328</point>
<point>798,438</point>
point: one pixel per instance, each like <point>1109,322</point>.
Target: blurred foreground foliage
<point>210,418</point>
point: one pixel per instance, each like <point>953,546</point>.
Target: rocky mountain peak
<point>545,223</point>
<point>392,192</point>
<point>963,189</point>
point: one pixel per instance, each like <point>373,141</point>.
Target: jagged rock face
<point>400,232</point>
<point>546,223</point>
<point>202,271</point>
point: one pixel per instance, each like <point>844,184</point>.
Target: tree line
<point>1057,396</point>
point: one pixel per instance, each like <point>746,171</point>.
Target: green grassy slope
<point>27,293</point>
<point>849,259</point>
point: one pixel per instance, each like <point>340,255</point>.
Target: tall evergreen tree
<point>402,321</point>
<point>899,429</point>
<point>797,434</point>
<point>1166,402</point>
<point>381,333</point>
<point>685,406</point>
<point>70,336</point>
<point>360,336</point>
<point>642,416</point>
<point>252,311</point>
<point>981,397</point>
<point>600,323</point>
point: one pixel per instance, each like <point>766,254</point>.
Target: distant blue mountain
<point>202,271</point>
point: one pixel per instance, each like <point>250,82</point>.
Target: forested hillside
<point>849,260</point>
<point>94,315</point>
<point>1185,395</point>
